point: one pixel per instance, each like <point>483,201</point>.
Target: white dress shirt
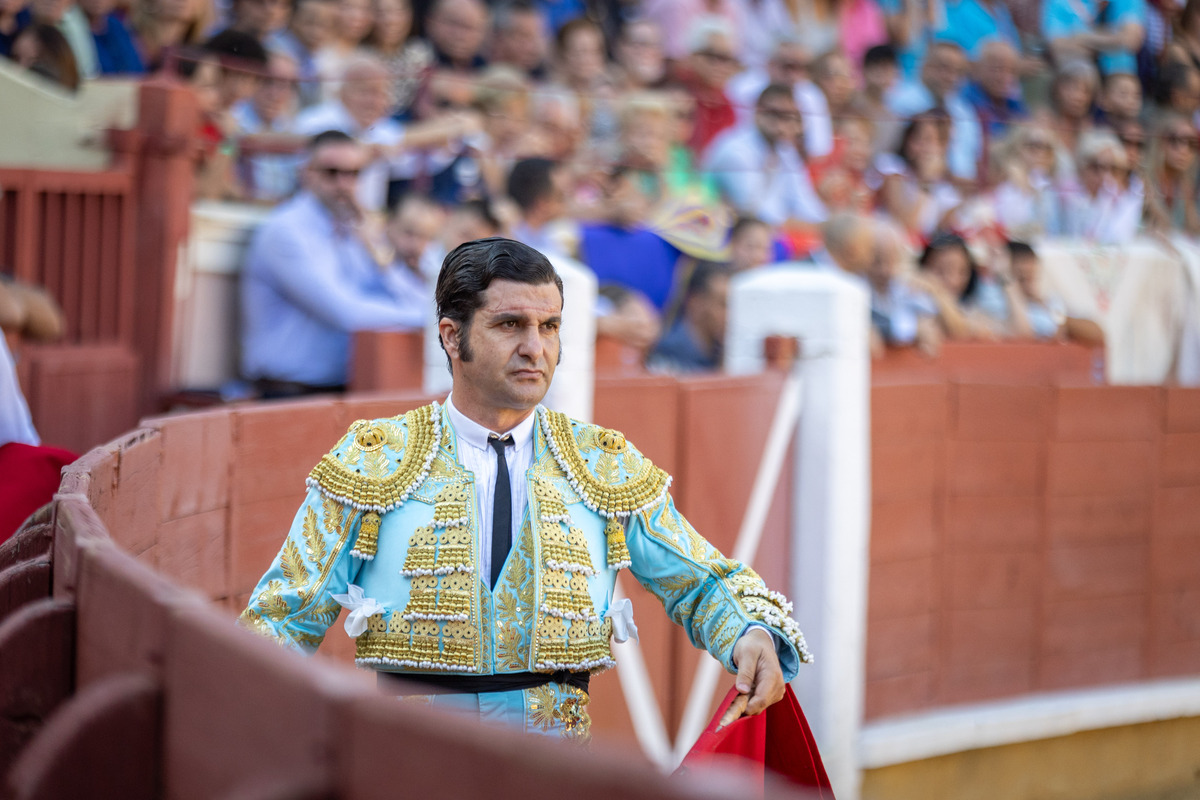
<point>476,455</point>
<point>15,422</point>
<point>768,181</point>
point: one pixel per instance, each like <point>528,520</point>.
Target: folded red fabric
<point>778,740</point>
<point>29,477</point>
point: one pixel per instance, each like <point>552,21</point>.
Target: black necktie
<point>501,507</point>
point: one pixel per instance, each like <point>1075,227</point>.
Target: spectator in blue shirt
<point>1110,30</point>
<point>973,23</point>
<point>623,250</point>
<point>116,54</point>
<point>908,25</point>
<point>695,343</point>
<point>309,281</point>
<point>14,17</point>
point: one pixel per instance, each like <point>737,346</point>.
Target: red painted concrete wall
<point>1030,538</point>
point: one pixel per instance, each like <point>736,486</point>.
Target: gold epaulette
<point>379,463</point>
<point>612,477</point>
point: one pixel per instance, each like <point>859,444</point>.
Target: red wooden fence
<point>104,245</point>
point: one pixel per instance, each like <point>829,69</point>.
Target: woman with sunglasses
<point>1096,207</point>
<point>1026,166</point>
<point>1171,165</point>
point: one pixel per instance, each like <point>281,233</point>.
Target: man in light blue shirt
<point>973,23</point>
<point>309,281</point>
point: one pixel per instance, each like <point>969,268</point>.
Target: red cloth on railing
<point>29,477</point>
<point>778,740</point>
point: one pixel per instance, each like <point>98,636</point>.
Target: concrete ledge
<point>901,739</point>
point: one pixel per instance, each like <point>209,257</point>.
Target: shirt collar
<point>471,432</point>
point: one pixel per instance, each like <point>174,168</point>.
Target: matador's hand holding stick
<point>759,680</point>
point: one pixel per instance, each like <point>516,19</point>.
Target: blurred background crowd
<point>922,146</point>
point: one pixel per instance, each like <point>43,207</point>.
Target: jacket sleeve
<point>714,598</point>
<point>293,603</point>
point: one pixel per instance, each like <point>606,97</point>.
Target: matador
<point>477,541</point>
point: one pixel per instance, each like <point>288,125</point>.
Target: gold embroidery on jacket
<point>603,491</point>
<point>291,563</point>
<point>514,606</point>
<point>567,629</point>
<point>440,630</point>
<point>376,485</point>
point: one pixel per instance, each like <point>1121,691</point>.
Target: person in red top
<point>710,65</point>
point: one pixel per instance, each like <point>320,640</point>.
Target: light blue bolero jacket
<point>391,519</point>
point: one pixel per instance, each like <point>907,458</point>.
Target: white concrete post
<point>575,379</point>
<point>829,313</point>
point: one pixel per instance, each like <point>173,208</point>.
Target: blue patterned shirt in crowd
<point>971,24</point>
<point>994,117</point>
<point>307,285</point>
<point>1063,18</point>
<point>115,50</point>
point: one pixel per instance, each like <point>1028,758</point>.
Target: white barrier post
<point>829,313</point>
<point>204,352</point>
<point>575,379</point>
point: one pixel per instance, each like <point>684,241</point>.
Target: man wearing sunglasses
<point>309,282</point>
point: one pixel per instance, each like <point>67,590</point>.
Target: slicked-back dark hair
<point>469,270</point>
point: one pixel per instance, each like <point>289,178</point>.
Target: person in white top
<point>757,169</point>
<point>15,423</point>
<point>1097,208</point>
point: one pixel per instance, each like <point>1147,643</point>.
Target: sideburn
<point>465,353</point>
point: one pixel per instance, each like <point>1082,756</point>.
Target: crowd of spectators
<point>667,144</point>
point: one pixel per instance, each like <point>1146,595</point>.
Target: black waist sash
<point>406,683</point>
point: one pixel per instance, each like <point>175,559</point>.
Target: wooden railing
<point>104,245</point>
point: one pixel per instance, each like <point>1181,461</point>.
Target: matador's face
<point>511,349</point>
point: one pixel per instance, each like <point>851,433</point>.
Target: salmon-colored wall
<point>1030,538</point>
<point>206,498</point>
